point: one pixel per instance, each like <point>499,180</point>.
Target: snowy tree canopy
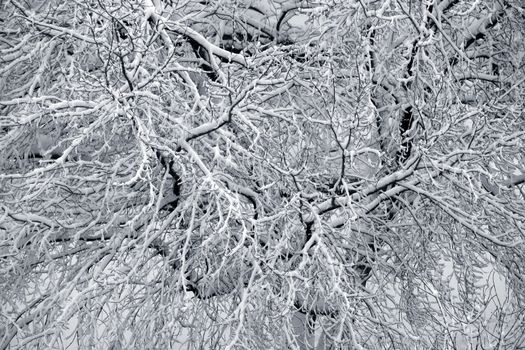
<point>235,174</point>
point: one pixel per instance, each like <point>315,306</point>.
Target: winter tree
<point>262,174</point>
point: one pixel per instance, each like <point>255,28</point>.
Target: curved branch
<point>200,40</point>
<point>478,29</point>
